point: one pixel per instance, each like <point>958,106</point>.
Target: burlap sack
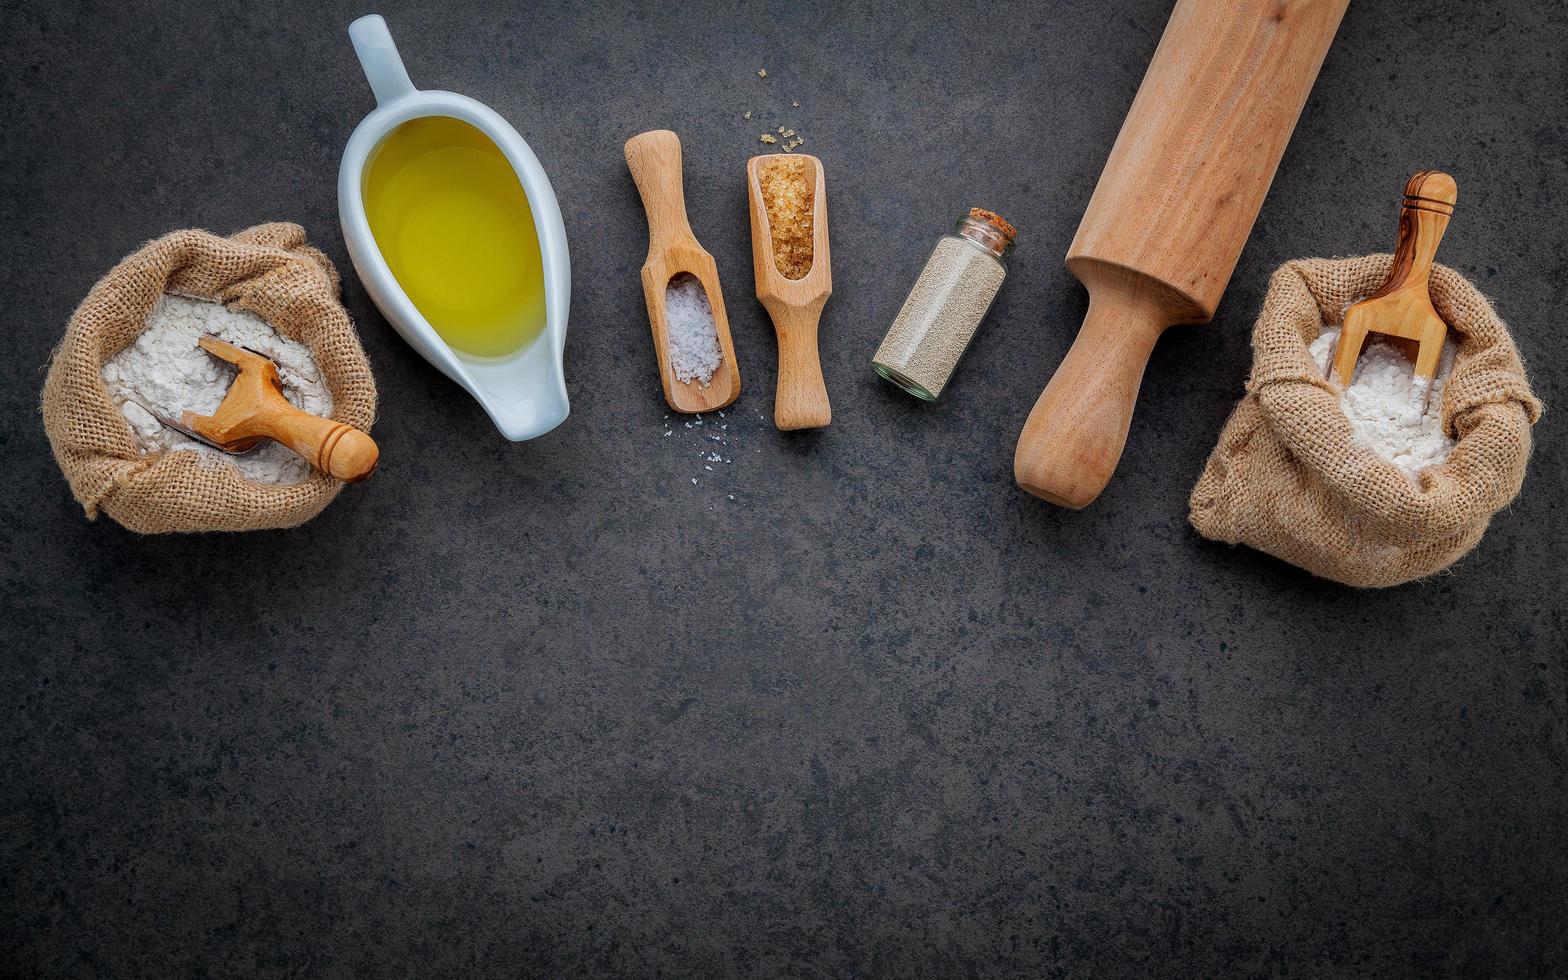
<point>267,270</point>
<point>1288,479</point>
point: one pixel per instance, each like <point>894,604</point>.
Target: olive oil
<point>454,225</point>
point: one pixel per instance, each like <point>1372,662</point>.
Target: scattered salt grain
<point>1393,413</point>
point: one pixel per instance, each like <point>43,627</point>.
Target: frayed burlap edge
<point>1288,479</point>
<point>268,270</point>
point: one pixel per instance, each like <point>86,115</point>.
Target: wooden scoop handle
<point>1075,434</point>
<point>802,398</point>
<point>335,448</point>
<point>654,159</point>
<point>1429,202</point>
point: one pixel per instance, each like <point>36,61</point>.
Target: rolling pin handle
<point>1073,438</point>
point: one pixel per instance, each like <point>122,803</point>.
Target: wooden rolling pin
<point>1168,219</point>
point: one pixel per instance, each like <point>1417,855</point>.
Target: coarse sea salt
<point>1392,412</point>
<point>693,335</point>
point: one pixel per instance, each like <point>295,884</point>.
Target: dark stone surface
<point>551,710</point>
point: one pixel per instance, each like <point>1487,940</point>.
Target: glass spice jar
<point>951,297</point>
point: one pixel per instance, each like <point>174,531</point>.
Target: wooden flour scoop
<point>255,409</point>
<point>1402,306</point>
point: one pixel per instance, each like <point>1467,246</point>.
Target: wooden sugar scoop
<point>795,305</point>
<point>255,410</point>
<point>1402,306</point>
<point>655,162</point>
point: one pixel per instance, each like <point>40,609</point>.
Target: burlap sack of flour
<point>1288,479</point>
<point>267,270</point>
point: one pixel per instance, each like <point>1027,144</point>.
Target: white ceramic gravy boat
<point>523,393</point>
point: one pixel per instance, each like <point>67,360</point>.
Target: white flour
<point>166,372</point>
<point>1384,402</point>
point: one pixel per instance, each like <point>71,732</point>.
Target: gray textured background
<point>551,710</point>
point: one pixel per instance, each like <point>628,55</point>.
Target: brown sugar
<point>789,197</point>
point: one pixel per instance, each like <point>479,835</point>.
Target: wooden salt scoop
<point>255,409</point>
<point>1168,219</point>
<point>1402,306</point>
<point>655,162</point>
<point>794,304</point>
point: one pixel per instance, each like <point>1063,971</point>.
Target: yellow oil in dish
<point>454,225</point>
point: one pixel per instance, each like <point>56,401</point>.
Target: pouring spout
<point>521,419</point>
<point>525,397</point>
<point>379,58</point>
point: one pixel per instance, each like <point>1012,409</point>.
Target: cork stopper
<point>989,230</point>
<point>996,221</point>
